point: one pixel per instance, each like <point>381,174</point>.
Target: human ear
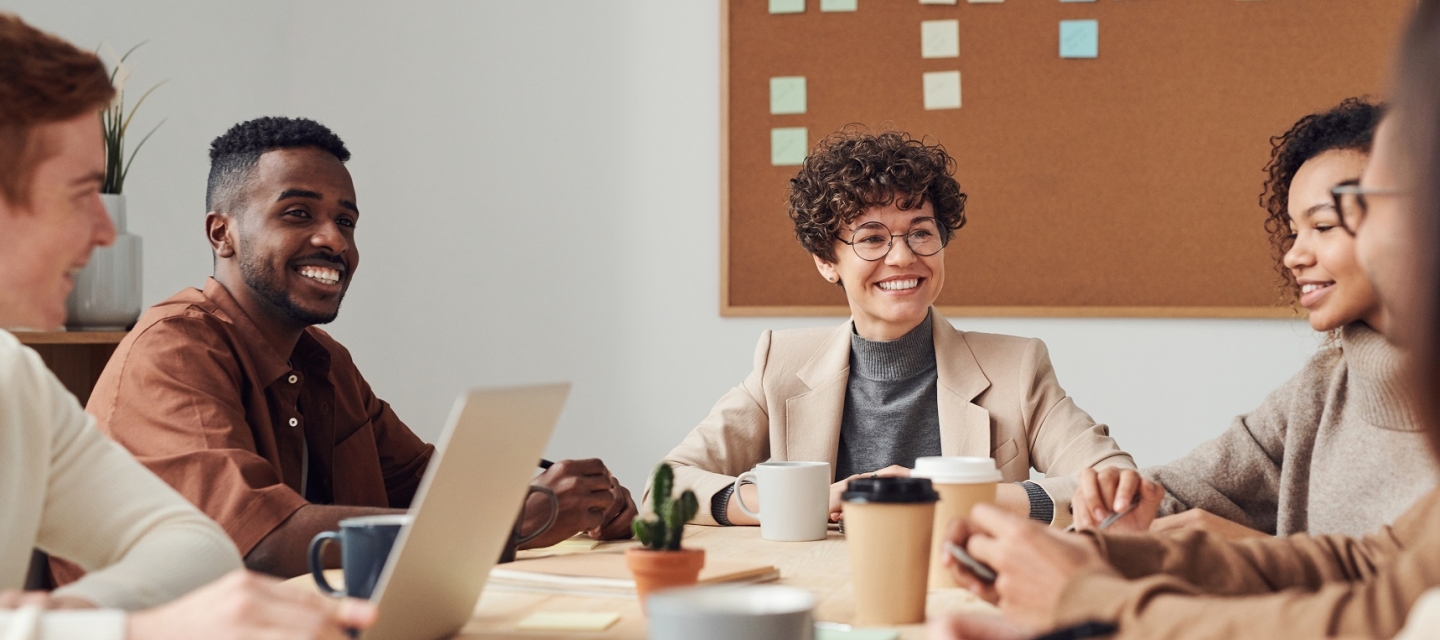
<point>218,228</point>
<point>826,268</point>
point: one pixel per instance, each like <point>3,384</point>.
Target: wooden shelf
<point>70,337</point>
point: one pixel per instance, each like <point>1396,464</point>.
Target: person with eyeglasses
<point>1335,449</point>
<point>896,381</point>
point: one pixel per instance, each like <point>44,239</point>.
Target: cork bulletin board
<point>1122,180</point>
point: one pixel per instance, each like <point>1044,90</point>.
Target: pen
<point>1084,630</point>
<point>546,464</point>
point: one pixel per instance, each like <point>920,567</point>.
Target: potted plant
<point>107,291</point>
<point>659,562</point>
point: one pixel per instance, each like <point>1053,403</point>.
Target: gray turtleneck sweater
<point>1334,450</point>
<point>891,413</point>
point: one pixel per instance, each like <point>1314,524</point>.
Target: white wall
<point>539,187</point>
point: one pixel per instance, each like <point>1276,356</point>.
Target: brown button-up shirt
<point>250,435</point>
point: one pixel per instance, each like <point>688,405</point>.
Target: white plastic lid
<point>956,469</point>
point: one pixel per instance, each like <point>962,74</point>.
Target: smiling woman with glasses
<point>896,381</point>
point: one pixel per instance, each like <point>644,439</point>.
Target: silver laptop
<point>464,510</point>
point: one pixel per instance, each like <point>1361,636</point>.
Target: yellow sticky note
<point>940,38</point>
<point>568,621</point>
<point>788,146</point>
<point>942,90</point>
<point>787,95</point>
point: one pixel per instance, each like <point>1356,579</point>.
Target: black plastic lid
<point>890,490</point>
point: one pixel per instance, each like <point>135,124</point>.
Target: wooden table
<point>820,567</point>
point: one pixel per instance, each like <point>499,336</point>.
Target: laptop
<point>464,511</point>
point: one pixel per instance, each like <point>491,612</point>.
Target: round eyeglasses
<point>1352,203</point>
<point>872,241</point>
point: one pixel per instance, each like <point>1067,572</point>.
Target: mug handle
<point>739,498</point>
<point>554,513</point>
<point>317,567</point>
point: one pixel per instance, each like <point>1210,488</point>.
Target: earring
<point>830,280</point>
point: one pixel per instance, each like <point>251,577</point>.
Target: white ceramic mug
<point>728,612</point>
<point>794,496</point>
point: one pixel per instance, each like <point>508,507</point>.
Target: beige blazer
<point>998,398</point>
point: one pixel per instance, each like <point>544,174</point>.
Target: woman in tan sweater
<point>1334,450</point>
<point>1195,585</point>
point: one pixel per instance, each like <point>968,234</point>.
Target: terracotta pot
<point>659,570</point>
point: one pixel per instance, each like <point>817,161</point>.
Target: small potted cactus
<point>659,562</point>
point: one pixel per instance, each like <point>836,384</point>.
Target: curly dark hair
<point>852,170</point>
<point>1349,126</point>
<point>234,154</point>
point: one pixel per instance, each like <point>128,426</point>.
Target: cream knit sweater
<point>68,490</point>
<point>1333,451</point>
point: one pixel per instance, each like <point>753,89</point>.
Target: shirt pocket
<point>1005,453</point>
<point>359,479</point>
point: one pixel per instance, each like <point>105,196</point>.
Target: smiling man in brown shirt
<point>233,396</point>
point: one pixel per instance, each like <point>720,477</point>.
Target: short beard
<point>262,279</point>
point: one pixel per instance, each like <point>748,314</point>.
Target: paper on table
<point>787,95</point>
<point>787,6</point>
<point>568,621</point>
<point>838,5</point>
<point>942,90</point>
<point>788,146</point>
<point>1079,39</point>
<point>822,633</point>
<point>939,38</point>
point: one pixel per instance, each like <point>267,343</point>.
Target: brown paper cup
<point>889,559</point>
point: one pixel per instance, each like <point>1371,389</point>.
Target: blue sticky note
<point>1079,39</point>
<point>788,146</point>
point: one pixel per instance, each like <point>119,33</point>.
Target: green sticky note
<point>787,95</point>
<point>787,6</point>
<point>838,5</point>
<point>822,633</point>
<point>788,146</point>
<point>1079,39</point>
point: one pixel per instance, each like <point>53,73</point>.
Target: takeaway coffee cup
<point>794,499</point>
<point>887,528</point>
<point>962,483</point>
<point>365,545</point>
<point>729,612</point>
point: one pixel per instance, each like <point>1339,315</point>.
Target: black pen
<point>1084,630</point>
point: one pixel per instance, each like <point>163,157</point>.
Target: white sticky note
<point>942,90</point>
<point>787,95</point>
<point>986,1</point>
<point>1077,0</point>
<point>787,6</point>
<point>568,621</point>
<point>937,1</point>
<point>940,39</point>
<point>839,5</point>
<point>788,146</point>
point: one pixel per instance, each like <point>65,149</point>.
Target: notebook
<point>603,573</point>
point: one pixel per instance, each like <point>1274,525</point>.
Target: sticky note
<point>787,6</point>
<point>787,95</point>
<point>838,5</point>
<point>942,90</point>
<point>939,38</point>
<point>1079,39</point>
<point>568,621</point>
<point>822,633</point>
<point>788,146</point>
<point>937,1</point>
<point>1077,0</point>
<point>986,1</point>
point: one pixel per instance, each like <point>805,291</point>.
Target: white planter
<point>107,290</point>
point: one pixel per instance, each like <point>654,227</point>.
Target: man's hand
<point>1111,490</point>
<point>892,471</point>
<point>16,599</point>
<point>619,517</point>
<point>1207,522</point>
<point>1033,563</point>
<point>248,606</point>
<point>585,493</point>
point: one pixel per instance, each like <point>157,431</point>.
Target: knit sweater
<point>68,490</point>
<point>1333,451</point>
<point>891,417</point>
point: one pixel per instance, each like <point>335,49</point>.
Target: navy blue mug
<point>365,545</point>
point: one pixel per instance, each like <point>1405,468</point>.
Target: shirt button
<point>294,422</point>
<point>294,378</point>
